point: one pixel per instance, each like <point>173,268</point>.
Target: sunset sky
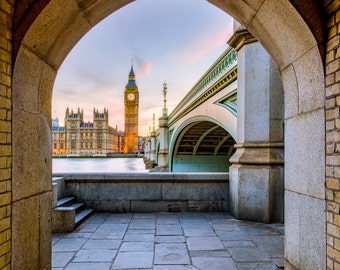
<point>169,40</point>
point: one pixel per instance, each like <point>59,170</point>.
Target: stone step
<point>68,214</point>
<point>81,216</point>
<point>73,207</point>
<point>66,201</point>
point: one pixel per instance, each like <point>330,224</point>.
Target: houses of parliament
<point>98,138</point>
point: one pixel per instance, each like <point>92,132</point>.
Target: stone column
<point>153,148</point>
<point>150,160</point>
<point>256,175</point>
<point>163,159</point>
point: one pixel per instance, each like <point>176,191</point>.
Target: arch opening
<point>203,147</point>
<point>281,30</point>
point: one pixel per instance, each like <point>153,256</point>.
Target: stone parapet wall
<point>6,12</point>
<point>150,192</point>
<point>332,104</point>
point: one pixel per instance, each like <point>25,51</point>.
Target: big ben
<point>131,104</point>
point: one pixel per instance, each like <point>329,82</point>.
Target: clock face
<point>130,96</point>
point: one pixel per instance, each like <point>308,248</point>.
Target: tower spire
<point>132,77</point>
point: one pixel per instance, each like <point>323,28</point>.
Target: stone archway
<point>280,29</point>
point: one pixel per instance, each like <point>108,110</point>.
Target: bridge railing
<point>224,65</point>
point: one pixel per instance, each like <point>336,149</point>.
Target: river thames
<point>62,165</point>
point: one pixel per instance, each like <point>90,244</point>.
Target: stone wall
<point>150,192</point>
<point>332,70</point>
<point>6,11</point>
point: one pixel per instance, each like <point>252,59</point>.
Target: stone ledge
<point>149,192</point>
<point>143,177</point>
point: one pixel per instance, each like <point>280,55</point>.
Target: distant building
<point>79,138</point>
<point>97,138</point>
<point>131,105</point>
<point>58,138</point>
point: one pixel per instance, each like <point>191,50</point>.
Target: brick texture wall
<point>332,70</point>
<point>6,12</point>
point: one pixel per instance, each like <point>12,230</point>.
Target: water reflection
<point>61,165</point>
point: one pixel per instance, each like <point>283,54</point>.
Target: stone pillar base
<point>256,183</point>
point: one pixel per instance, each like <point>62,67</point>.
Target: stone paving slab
<point>204,243</point>
<point>214,263</point>
<point>137,246</point>
<point>199,232</point>
<point>169,230</point>
<point>88,266</point>
<point>102,244</point>
<point>171,253</point>
<point>174,267</point>
<point>255,265</point>
<point>61,259</point>
<point>168,241</point>
<point>131,260</point>
<point>248,254</point>
<point>100,255</point>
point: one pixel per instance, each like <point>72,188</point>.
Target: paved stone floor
<point>168,241</point>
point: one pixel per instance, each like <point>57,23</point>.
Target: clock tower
<point>131,104</point>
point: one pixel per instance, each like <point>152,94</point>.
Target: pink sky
<point>178,45</point>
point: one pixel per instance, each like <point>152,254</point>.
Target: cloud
<point>143,67</point>
<point>202,44</point>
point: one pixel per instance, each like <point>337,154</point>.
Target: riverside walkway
<point>169,241</point>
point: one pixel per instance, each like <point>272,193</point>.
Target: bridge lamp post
<point>165,91</point>
<point>163,135</point>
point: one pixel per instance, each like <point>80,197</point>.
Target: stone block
<point>111,206</point>
<point>208,206</point>
<point>194,191</point>
<point>99,9</point>
<point>312,233</point>
<point>260,97</point>
<point>305,229</point>
<point>26,84</point>
<point>25,243</point>
<point>248,8</point>
<point>304,143</point>
<point>32,161</point>
<point>45,90</point>
<point>159,206</point>
<point>311,84</point>
<point>45,229</point>
<point>63,221</point>
<point>53,48</point>
<point>115,191</point>
<point>270,19</point>
<point>256,193</point>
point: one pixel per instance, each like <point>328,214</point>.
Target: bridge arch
<point>201,145</point>
<point>177,132</point>
<point>42,41</point>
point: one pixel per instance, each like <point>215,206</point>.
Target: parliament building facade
<point>98,138</point>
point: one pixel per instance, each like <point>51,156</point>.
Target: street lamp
<point>165,91</point>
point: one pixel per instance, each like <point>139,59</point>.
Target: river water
<point>62,165</point>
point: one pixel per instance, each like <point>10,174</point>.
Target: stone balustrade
<point>149,192</point>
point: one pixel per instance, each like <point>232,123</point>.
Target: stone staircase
<point>68,214</point>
